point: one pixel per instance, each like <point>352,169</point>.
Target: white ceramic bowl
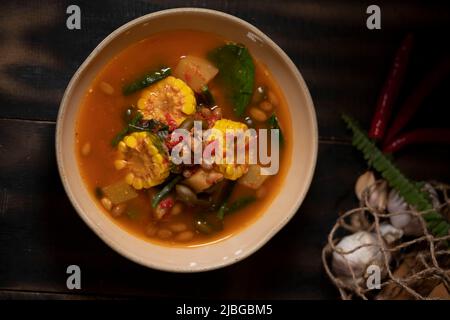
<point>278,213</point>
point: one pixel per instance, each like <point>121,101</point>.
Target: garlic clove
<point>402,218</point>
<point>397,206</point>
<point>364,181</point>
<point>389,233</point>
<point>378,195</point>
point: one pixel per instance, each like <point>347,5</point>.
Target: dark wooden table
<point>344,65</point>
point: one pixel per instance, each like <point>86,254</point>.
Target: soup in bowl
<point>185,149</point>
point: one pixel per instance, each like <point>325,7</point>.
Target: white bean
<point>86,149</point>
<point>266,106</point>
<point>184,236</point>
<point>106,88</point>
<point>178,227</point>
<point>106,202</point>
<point>272,98</point>
<point>257,114</point>
<point>164,233</point>
<point>151,230</point>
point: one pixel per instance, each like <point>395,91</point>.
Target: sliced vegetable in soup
<point>137,138</point>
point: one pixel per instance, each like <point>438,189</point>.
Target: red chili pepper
<point>171,144</point>
<point>170,121</point>
<point>440,136</point>
<point>413,102</point>
<point>390,90</point>
<point>167,203</point>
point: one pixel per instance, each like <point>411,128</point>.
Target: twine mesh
<point>425,258</point>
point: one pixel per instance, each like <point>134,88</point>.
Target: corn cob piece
<point>231,171</point>
<point>147,165</point>
<point>168,101</point>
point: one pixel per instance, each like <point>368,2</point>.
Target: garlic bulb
<point>403,219</point>
<point>377,196</point>
<point>364,181</point>
<point>359,259</point>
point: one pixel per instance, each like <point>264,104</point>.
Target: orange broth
<point>101,117</point>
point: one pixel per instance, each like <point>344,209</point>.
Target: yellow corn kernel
<point>122,146</point>
<point>129,178</point>
<point>158,158</point>
<point>141,103</point>
<point>152,149</point>
<point>138,184</point>
<point>229,170</point>
<point>149,181</point>
<point>130,141</point>
<point>120,164</point>
<point>232,171</point>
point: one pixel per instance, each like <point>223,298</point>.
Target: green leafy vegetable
<point>165,191</point>
<point>134,121</point>
<point>273,123</point>
<point>151,125</point>
<point>408,190</point>
<point>237,72</point>
<point>158,142</point>
<point>147,80</point>
<point>158,130</point>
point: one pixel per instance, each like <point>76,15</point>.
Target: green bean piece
<point>165,191</point>
<point>240,203</point>
<point>207,96</point>
<point>236,205</point>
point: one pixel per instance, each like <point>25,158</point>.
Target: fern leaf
<point>410,191</point>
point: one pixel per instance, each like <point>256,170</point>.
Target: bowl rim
<point>109,38</point>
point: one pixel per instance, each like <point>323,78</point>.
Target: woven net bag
<point>412,266</point>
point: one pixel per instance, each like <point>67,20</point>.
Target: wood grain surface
<point>344,65</point>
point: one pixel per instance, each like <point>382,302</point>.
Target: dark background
<point>344,65</point>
